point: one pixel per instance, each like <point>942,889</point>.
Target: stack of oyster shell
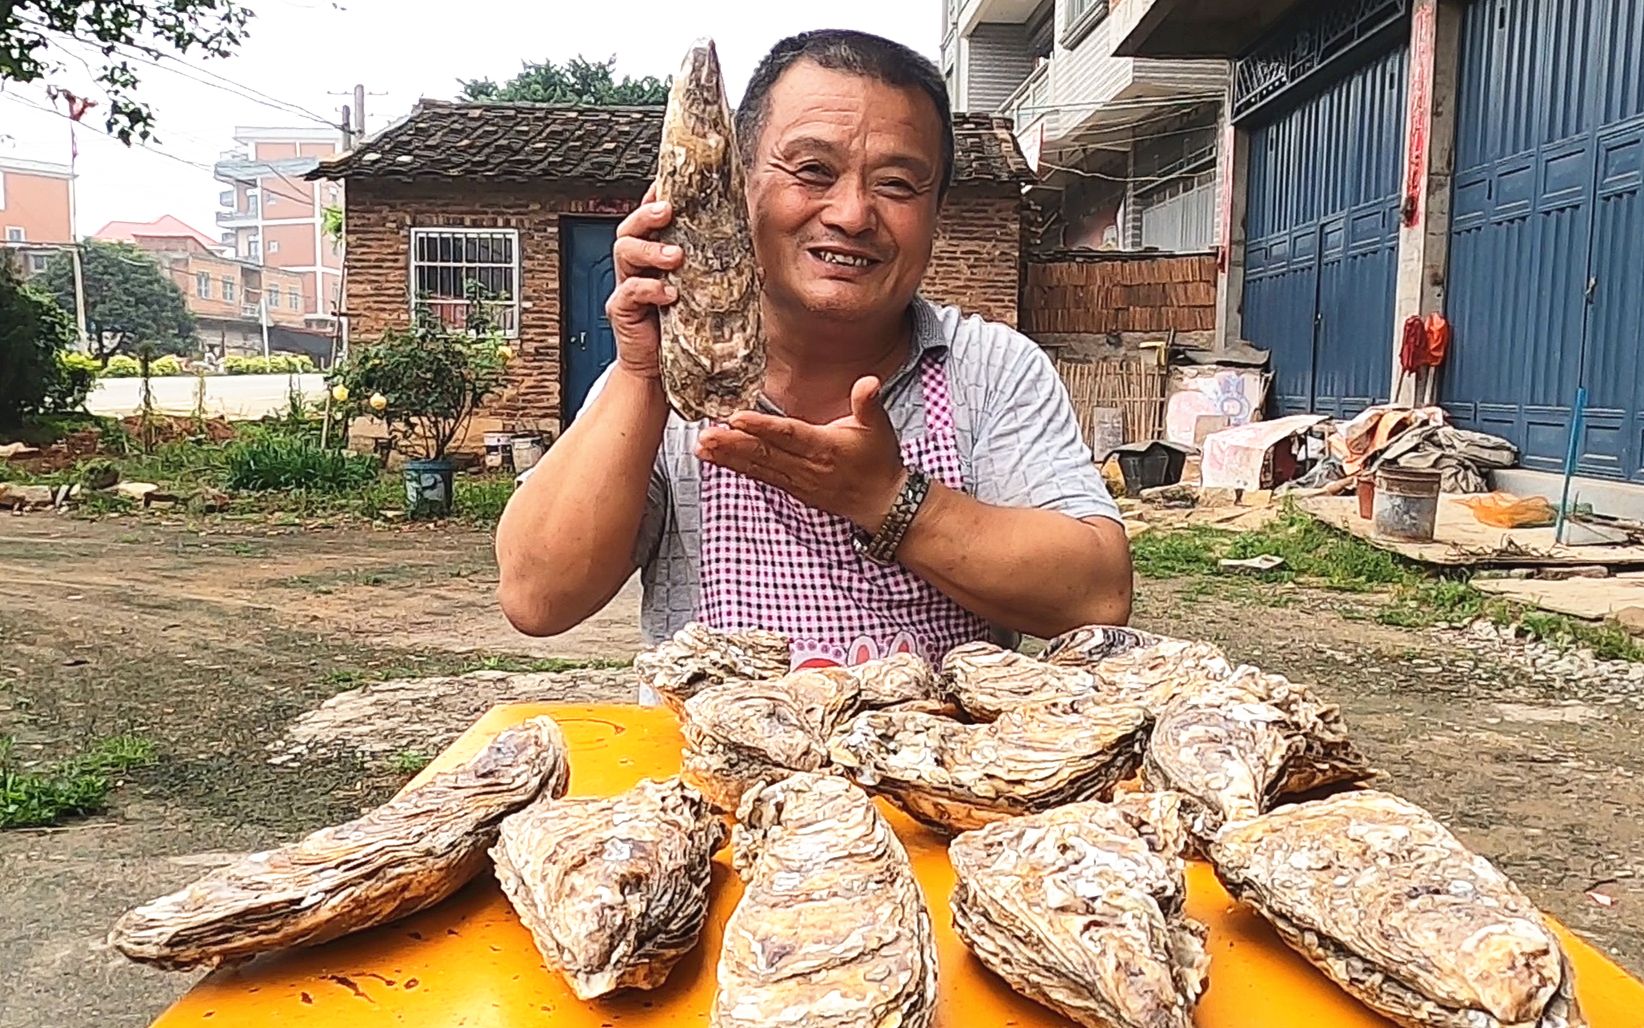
<point>1069,881</point>
<point>1073,787</point>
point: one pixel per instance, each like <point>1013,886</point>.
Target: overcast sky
<point>403,50</point>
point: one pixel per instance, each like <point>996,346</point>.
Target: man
<point>917,481</point>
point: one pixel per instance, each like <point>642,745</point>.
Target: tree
<point>123,32</point>
<point>131,305</point>
<point>34,335</point>
<point>580,82</point>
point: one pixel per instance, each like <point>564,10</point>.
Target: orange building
<point>272,216</point>
<point>34,208</point>
<point>226,294</point>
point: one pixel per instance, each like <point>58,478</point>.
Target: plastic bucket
<point>499,451</point>
<point>1153,467</point>
<point>428,488</point>
<point>1406,504</point>
<point>527,450</point>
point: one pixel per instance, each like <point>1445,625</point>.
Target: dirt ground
<point>214,644</point>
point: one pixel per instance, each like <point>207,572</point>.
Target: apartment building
<point>34,210</point>
<point>1125,147</point>
<point>225,294</point>
<point>273,217</point>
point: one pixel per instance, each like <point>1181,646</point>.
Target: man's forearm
<point>565,543</point>
<point>1033,571</point>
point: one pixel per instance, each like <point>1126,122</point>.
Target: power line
<point>156,59</point>
<point>301,195</point>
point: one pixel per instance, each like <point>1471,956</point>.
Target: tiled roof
<point>164,227</point>
<point>606,145</point>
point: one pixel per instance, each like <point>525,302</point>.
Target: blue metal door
<point>590,277</point>
<point>1546,275</point>
<point>1321,244</point>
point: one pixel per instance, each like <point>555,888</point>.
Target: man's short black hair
<point>859,53</point>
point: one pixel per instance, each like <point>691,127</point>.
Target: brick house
<point>525,199</point>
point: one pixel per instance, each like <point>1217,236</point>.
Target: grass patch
<point>79,785</point>
<point>271,461</point>
<point>1179,553</point>
<point>1314,553</point>
<point>1317,555</point>
<point>408,762</point>
<point>481,500</point>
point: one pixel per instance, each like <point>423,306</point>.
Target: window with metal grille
<point>38,262</point>
<point>445,263</point>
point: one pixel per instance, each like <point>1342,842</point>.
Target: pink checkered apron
<point>769,561</point>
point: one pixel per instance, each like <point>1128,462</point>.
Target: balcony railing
<point>1031,100</point>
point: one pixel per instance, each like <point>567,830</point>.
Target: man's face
<point>843,192</point>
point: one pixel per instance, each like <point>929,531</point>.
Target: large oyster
<point>901,681</point>
<point>1080,908</point>
<point>987,680</point>
<point>1384,900</point>
<point>826,696</point>
<point>1154,675</point>
<point>614,891</point>
<point>699,656</point>
<point>713,353</point>
<point>740,734</point>
<point>1236,746</point>
<point>1083,647</point>
<point>407,854</point>
<point>831,931</point>
<point>955,776</point>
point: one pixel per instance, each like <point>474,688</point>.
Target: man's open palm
<point>851,466</point>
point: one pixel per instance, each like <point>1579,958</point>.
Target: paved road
<point>236,397</point>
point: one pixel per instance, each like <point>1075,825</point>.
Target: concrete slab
<point>1592,598</point>
<point>1461,540</point>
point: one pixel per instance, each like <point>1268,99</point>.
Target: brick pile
<point>1111,293</point>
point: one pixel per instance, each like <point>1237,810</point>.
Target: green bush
<point>34,332</point>
<point>292,462</point>
<point>123,365</point>
<point>78,373</point>
<point>426,381</point>
<point>273,364</point>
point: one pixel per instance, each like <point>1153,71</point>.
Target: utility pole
<point>359,111</point>
<point>262,311</point>
<point>74,239</point>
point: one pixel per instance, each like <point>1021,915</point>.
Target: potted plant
<point>425,382</point>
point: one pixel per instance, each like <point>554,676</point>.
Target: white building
<point>1125,147</point>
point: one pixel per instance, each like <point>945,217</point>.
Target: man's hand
<point>632,307</point>
<point>851,467</point>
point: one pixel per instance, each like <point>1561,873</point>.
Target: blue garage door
<point>1546,278</point>
<point>1322,240</point>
